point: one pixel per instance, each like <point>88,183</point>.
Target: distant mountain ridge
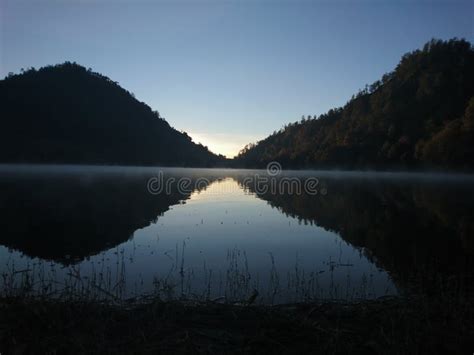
<point>69,114</point>
<point>419,115</point>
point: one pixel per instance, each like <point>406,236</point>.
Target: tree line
<point>419,115</point>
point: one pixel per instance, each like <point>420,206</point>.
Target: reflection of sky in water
<point>217,226</point>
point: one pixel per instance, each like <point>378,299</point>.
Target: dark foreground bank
<point>389,326</point>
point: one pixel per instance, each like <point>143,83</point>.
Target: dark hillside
<point>419,115</point>
<point>69,114</point>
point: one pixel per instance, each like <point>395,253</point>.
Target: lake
<point>283,236</point>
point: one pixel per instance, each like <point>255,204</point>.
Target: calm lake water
<point>111,232</point>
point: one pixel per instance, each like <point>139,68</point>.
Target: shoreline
<point>422,174</point>
<point>387,325</point>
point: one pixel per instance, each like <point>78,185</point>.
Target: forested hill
<point>68,114</point>
<point>419,115</point>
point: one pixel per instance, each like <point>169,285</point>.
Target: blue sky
<point>229,72</point>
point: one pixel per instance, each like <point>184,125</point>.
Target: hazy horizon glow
<point>229,72</point>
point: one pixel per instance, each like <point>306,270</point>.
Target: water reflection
<point>69,216</point>
<point>227,239</point>
<point>419,229</point>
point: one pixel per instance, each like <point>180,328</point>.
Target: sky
<point>229,72</point>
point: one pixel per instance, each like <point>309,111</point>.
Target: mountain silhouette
<point>69,114</point>
<point>419,115</point>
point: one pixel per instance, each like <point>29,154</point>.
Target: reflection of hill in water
<point>68,217</point>
<point>409,228</point>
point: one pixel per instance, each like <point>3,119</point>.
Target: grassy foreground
<point>389,326</point>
